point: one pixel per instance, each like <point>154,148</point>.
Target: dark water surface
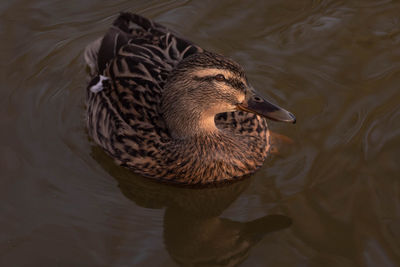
<point>335,64</point>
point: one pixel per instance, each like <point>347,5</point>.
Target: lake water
<point>329,198</point>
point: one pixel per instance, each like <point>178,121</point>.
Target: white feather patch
<point>99,85</point>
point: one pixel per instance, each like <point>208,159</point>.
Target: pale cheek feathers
<point>237,97</point>
<point>241,98</point>
<point>223,107</point>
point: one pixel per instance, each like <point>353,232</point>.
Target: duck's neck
<point>190,123</point>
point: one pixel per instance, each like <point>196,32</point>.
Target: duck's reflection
<point>194,234</point>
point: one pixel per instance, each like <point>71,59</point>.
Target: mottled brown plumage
<point>167,109</point>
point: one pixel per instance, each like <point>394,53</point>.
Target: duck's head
<point>205,84</point>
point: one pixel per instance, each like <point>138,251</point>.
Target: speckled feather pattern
<point>125,118</point>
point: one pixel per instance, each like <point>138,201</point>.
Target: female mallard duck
<point>168,109</point>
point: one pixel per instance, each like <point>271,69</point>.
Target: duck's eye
<point>220,77</point>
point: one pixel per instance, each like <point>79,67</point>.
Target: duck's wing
<point>134,29</point>
<point>134,59</point>
<point>137,30</point>
<point>138,55</point>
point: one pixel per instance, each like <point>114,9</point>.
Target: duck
<point>169,110</point>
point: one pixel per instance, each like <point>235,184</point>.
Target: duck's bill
<point>255,103</point>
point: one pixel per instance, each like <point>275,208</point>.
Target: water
<point>331,198</point>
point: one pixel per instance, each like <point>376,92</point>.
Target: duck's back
<point>136,56</point>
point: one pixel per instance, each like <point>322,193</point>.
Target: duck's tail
<point>100,52</point>
<point>90,55</point>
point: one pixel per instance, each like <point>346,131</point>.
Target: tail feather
<point>124,19</point>
<point>90,55</point>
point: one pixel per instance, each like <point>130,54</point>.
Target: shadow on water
<point>194,233</point>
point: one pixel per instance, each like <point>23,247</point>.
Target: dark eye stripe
<point>237,84</point>
<point>203,78</point>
